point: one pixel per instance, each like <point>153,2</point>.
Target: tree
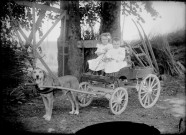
<point>109,13</point>
<point>89,15</point>
<point>75,60</point>
<point>110,17</point>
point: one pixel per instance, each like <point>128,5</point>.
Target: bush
<point>13,62</point>
<point>169,50</point>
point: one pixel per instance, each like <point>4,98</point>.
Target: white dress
<point>97,64</point>
<point>117,62</point>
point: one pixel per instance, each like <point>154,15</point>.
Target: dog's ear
<point>44,73</point>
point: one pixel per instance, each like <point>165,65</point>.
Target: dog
<point>42,79</point>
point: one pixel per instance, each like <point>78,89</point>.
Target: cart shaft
<point>64,88</point>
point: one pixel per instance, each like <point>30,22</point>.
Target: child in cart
<point>102,48</point>
<point>115,58</point>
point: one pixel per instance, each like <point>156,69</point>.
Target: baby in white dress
<point>115,58</point>
<point>98,63</point>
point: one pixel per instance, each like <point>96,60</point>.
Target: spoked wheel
<point>149,91</point>
<point>84,99</point>
<point>118,101</point>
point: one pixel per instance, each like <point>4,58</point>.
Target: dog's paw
<point>47,118</point>
<point>71,112</point>
<point>76,112</point>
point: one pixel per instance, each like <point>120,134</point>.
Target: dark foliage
<point>12,65</point>
<point>14,74</point>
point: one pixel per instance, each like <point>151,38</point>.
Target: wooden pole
<point>40,6</point>
<point>150,49</point>
<point>20,40</point>
<point>30,37</point>
<point>136,56</point>
<point>69,89</point>
<point>23,34</point>
<point>34,35</point>
<point>64,45</point>
<point>123,23</point>
<point>144,45</point>
<point>51,28</point>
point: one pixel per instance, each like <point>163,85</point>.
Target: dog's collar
<point>44,91</point>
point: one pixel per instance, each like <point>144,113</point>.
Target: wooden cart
<point>142,77</point>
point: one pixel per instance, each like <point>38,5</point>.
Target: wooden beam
<point>29,39</point>
<point>69,89</point>
<point>63,24</point>
<point>20,30</point>
<point>150,49</point>
<point>55,23</point>
<point>87,44</point>
<point>39,6</point>
<point>34,26</point>
<point>20,40</point>
<point>22,33</point>
<point>144,45</point>
<point>34,35</point>
<point>136,56</point>
<point>41,16</point>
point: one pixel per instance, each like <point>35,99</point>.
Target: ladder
<point>145,54</point>
<point>141,55</point>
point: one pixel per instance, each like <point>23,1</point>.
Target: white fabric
<point>117,60</point>
<point>97,64</point>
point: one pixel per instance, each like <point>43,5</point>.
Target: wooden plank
<point>51,28</point>
<point>63,37</point>
<point>144,45</point>
<point>131,50</point>
<point>23,34</point>
<point>101,89</point>
<point>150,49</point>
<point>40,6</point>
<point>20,40</point>
<point>130,86</point>
<point>69,89</point>
<point>34,36</point>
<point>20,30</point>
<point>181,66</point>
<point>140,54</point>
<point>41,16</point>
<point>87,43</point>
<point>104,79</point>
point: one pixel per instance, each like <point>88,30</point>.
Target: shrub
<point>169,50</point>
<point>13,73</point>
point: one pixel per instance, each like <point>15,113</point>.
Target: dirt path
<point>165,115</point>
<point>174,106</point>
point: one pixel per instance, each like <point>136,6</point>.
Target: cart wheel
<point>118,101</point>
<point>84,99</point>
<point>149,91</point>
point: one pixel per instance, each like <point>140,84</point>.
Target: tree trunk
<point>61,43</point>
<point>75,59</point>
<point>110,18</point>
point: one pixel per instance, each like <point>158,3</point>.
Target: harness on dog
<point>44,91</point>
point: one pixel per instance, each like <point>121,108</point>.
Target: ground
<point>164,115</point>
